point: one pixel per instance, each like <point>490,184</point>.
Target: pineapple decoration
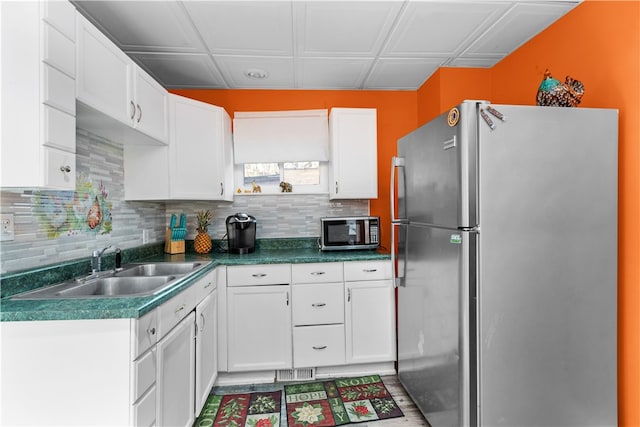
<point>202,242</point>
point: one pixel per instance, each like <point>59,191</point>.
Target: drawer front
<point>173,311</point>
<point>144,412</point>
<point>367,270</point>
<point>60,169</point>
<point>62,15</point>
<point>59,91</point>
<point>59,51</point>
<point>205,285</point>
<point>59,129</point>
<point>263,274</point>
<point>318,304</point>
<point>144,373</point>
<point>145,333</point>
<point>318,346</point>
<point>321,272</point>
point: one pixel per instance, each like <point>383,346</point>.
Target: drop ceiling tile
<point>520,24</point>
<point>439,28</point>
<point>332,73</point>
<point>345,28</point>
<point>244,27</point>
<point>280,70</point>
<point>181,70</point>
<point>145,25</point>
<point>398,73</point>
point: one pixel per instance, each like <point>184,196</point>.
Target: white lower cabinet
<point>259,322</point>
<point>337,316</point>
<point>113,372</point>
<point>369,312</point>
<point>206,348</point>
<point>176,375</point>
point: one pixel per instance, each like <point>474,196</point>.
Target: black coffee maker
<point>241,233</point>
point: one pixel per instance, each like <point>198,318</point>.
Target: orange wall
<point>396,117</point>
<point>599,44</point>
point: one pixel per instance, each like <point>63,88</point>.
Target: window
<point>304,176</point>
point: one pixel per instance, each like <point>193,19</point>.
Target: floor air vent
<point>295,374</point>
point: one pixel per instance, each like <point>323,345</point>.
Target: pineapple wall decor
<point>202,241</point>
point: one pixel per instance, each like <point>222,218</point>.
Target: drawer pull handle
<point>319,347</point>
<point>370,270</point>
<point>179,309</point>
<point>317,273</point>
<point>207,285</point>
<point>65,168</point>
<point>151,331</point>
<point>259,275</point>
<point>318,304</point>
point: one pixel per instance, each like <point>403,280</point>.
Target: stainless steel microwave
<point>349,233</point>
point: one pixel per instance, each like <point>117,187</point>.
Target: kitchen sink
<point>158,269</point>
<point>134,280</point>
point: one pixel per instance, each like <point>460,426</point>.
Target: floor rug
<point>241,410</point>
<point>340,401</point>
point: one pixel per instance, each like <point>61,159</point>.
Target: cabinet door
<point>196,169</point>
<point>259,328</point>
<point>206,348</point>
<point>353,171</point>
<point>176,373</point>
<point>152,105</point>
<point>370,320</point>
<point>103,70</point>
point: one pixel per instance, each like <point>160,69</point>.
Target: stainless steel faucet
<point>96,259</point>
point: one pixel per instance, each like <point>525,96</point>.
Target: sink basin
<point>158,269</point>
<point>134,281</point>
<point>117,286</point>
<point>102,287</point>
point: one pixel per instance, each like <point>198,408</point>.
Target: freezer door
<point>439,185</point>
<point>548,271</point>
<point>434,310</point>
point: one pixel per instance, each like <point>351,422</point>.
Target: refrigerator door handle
<point>398,273</point>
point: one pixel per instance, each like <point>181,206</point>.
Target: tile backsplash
<point>51,226</point>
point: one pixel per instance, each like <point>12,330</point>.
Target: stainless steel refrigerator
<point>506,233</point>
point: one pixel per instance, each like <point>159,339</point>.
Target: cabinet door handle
<point>287,298</point>
<point>336,187</point>
<point>179,309</point>
<point>319,347</point>
<point>65,168</point>
<point>151,331</point>
<point>348,295</point>
<point>369,270</point>
<point>203,319</point>
<point>317,273</point>
<point>139,113</point>
<point>318,304</point>
<point>259,275</point>
<point>133,110</point>
<point>221,189</point>
<point>207,285</point>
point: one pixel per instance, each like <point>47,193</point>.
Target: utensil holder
<point>173,246</point>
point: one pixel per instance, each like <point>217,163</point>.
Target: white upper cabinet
<point>353,171</point>
<point>197,164</point>
<point>118,100</point>
<point>38,123</point>
<point>201,151</point>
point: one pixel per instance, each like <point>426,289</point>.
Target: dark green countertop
<point>113,308</point>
